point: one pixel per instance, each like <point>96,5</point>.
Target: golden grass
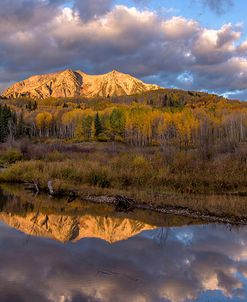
<point>147,176</point>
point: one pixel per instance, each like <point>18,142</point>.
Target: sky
<point>189,44</point>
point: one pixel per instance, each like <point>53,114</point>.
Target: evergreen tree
<point>7,123</point>
<point>97,125</point>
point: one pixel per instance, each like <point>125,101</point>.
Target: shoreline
<point>179,211</point>
<point>126,204</point>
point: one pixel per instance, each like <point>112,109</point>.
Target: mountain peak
<point>114,72</point>
<point>69,83</point>
<point>67,71</point>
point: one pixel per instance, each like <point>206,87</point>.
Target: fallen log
<point>124,204</point>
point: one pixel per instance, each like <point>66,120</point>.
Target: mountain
<point>71,228</point>
<point>71,83</point>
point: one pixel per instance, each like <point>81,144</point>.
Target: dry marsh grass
<point>152,175</point>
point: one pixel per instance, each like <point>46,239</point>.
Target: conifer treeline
<point>11,126</point>
<point>8,122</point>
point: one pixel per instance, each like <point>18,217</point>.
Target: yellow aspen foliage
<point>43,119</point>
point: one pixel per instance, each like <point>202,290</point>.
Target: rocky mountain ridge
<point>72,228</point>
<point>69,83</point>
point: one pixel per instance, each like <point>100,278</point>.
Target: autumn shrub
<point>133,170</point>
<point>24,147</point>
<point>139,162</point>
<point>155,143</point>
<point>33,151</point>
<point>99,178</point>
<point>118,138</point>
<point>25,171</point>
<point>123,168</point>
<point>227,147</point>
<point>242,155</point>
<point>102,138</point>
<point>169,153</point>
<point>10,156</point>
<point>183,161</point>
<point>55,156</point>
<point>68,173</point>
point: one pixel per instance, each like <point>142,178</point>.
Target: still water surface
<point>87,253</point>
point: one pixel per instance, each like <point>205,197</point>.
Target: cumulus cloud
<point>216,46</point>
<point>90,9</point>
<point>180,28</point>
<point>218,6</point>
<point>26,14</point>
<point>97,36</point>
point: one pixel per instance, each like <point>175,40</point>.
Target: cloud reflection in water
<point>198,263</point>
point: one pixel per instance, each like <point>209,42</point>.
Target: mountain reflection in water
<point>44,259</point>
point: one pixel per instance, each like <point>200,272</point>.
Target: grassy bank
<point>25,203</point>
<point>159,176</point>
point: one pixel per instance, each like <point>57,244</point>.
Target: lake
<point>54,251</point>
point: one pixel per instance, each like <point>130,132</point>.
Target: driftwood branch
<point>32,186</point>
<point>50,188</point>
<point>71,194</point>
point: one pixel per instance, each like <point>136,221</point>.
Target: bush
<point>119,139</point>
<point>55,156</point>
<point>242,155</point>
<point>99,179</point>
<point>155,143</point>
<point>103,137</point>
<point>10,156</point>
<point>227,147</point>
<point>139,161</point>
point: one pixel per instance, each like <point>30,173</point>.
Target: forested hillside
<point>187,119</point>
<point>142,145</point>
